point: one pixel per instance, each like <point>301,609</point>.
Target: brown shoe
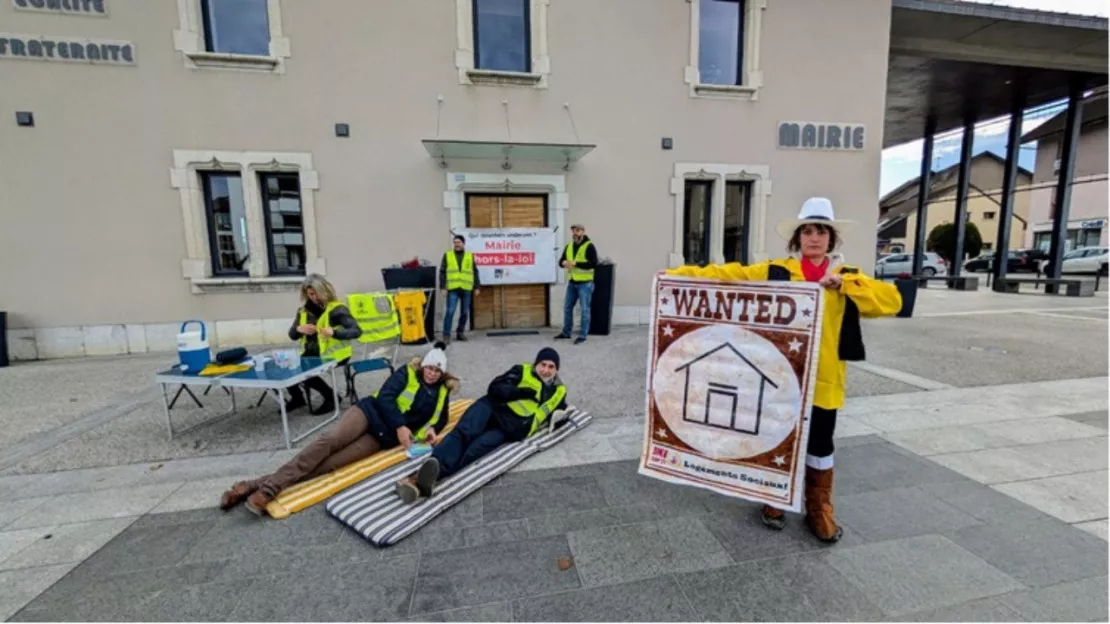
<point>258,501</point>
<point>408,490</point>
<point>774,518</point>
<point>819,507</point>
<point>236,494</point>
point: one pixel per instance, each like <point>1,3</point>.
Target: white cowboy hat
<point>814,210</point>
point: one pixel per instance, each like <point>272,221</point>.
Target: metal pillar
<point>1072,124</point>
<point>960,218</point>
<point>1009,180</point>
<point>924,184</point>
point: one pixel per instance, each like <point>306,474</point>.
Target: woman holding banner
<point>849,294</point>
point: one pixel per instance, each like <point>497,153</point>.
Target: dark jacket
<point>459,260</point>
<point>591,254</point>
<point>423,405</point>
<point>504,389</point>
<point>345,326</point>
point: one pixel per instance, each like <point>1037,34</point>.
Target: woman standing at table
<point>323,326</point>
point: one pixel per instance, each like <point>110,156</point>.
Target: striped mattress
<point>307,493</point>
<point>373,509</point>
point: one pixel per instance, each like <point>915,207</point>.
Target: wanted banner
<point>730,374</point>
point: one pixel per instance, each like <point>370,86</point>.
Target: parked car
<point>1083,260</point>
<point>896,264</point>
<point>980,263</point>
<point>1017,261</point>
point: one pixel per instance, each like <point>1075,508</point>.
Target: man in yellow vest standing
<point>458,278</point>
<point>580,260</point>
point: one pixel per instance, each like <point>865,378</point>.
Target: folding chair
<point>376,315</point>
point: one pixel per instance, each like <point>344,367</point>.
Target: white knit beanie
<point>437,357</point>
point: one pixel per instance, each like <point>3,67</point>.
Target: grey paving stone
<point>83,507</point>
<point>495,533</point>
<point>345,593</point>
<point>1037,553</point>
<point>1075,601</point>
<point>860,440</point>
<point>211,514</point>
<point>991,609</point>
<point>597,469</point>
<point>445,532</point>
<point>876,467</point>
<point>559,523</point>
<point>496,612</point>
<point>901,512</point>
<point>240,532</point>
<point>140,549</point>
<point>13,510</point>
<point>918,573</point>
<point>18,587</point>
<point>69,543</point>
<point>492,573</point>
<point>984,503</point>
<point>745,538</point>
<point>1095,419</point>
<point>307,561</point>
<point>525,500</point>
<point>619,554</point>
<point>796,588</point>
<point>627,488</point>
<point>649,600</point>
<point>211,602</point>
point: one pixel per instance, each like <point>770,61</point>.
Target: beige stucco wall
<point>1088,195</point>
<point>93,230</point>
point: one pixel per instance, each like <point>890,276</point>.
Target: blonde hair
<point>325,292</point>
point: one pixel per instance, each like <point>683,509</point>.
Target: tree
<point>942,240</point>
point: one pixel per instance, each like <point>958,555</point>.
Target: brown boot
<point>408,490</point>
<point>258,501</point>
<point>773,517</point>
<point>237,494</point>
<point>819,507</point>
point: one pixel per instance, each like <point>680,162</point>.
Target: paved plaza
<point>971,484</point>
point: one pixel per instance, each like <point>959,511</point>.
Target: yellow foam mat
<point>307,493</point>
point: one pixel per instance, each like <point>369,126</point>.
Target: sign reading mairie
<point>94,8</point>
<point>821,136</point>
<point>66,49</point>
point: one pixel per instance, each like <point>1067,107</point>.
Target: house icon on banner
<point>707,400</point>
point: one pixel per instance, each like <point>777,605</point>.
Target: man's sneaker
<point>461,338</point>
<point>773,518</point>
<point>562,337</point>
<point>427,476</point>
<point>579,340</point>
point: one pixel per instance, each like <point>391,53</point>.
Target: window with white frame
<point>232,34</point>
<point>724,48</point>
<point>502,42</point>
<point>720,213</point>
<point>249,219</point>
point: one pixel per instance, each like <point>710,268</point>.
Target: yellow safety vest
<point>529,408</point>
<point>405,399</point>
<point>576,274</point>
<point>460,278</point>
<point>331,348</point>
<point>376,315</point>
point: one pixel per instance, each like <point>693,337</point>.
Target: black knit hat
<point>549,354</point>
<point>458,237</point>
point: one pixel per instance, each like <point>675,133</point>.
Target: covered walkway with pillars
<point>954,64</point>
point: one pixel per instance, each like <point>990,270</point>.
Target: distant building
<point>898,208</point>
<point>1088,207</point>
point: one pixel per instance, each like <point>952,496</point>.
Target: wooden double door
<point>517,306</point>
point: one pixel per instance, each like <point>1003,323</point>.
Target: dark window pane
<point>281,201</point>
<point>227,222</point>
<point>237,27</point>
<point>501,35</point>
<point>695,247</point>
<point>737,203</point>
<point>721,27</point>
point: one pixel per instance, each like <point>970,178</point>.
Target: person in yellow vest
<point>458,278</point>
<point>411,406</point>
<point>517,404</point>
<point>580,260</point>
<point>849,295</point>
<point>323,326</point>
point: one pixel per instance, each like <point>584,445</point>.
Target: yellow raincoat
<point>874,298</point>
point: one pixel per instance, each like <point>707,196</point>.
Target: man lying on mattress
<point>517,404</point>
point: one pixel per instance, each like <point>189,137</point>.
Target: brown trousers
<point>344,442</point>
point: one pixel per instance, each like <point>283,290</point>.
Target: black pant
<point>480,431</point>
<point>822,424</point>
<point>314,383</point>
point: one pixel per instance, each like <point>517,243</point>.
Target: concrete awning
<point>948,57</point>
<point>562,154</point>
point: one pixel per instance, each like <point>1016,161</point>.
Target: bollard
<point>3,339</point>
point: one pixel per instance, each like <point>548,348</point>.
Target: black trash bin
<point>419,277</point>
<point>3,339</point>
<point>601,307</point>
<point>908,289</point>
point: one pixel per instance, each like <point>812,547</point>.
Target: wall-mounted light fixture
<point>668,143</point>
<point>25,118</point>
<point>342,130</point>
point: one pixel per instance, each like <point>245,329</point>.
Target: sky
<point>903,162</point>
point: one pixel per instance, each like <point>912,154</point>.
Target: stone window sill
<point>735,92</point>
<point>218,285</point>
<point>490,77</point>
<point>214,60</point>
